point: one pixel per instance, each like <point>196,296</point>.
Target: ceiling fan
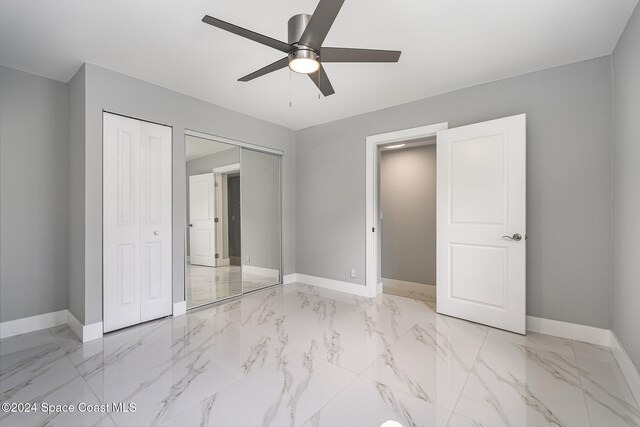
<point>305,53</point>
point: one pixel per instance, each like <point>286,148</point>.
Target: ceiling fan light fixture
<point>306,34</point>
<point>304,61</point>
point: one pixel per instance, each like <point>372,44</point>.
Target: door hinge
<point>217,256</point>
<point>215,184</point>
<point>373,229</point>
<point>215,220</point>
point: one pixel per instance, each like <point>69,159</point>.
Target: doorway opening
<point>481,219</point>
<point>407,204</point>
<point>374,145</point>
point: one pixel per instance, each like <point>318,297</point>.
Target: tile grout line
<point>331,399</point>
<point>66,354</point>
<point>468,375</point>
<point>362,373</point>
<point>403,392</point>
<point>584,397</point>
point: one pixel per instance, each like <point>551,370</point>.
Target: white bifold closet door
<point>136,221</point>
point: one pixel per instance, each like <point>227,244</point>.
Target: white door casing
<point>136,221</point>
<point>373,277</point>
<point>221,176</point>
<point>202,212</point>
<point>221,225</point>
<point>481,203</point>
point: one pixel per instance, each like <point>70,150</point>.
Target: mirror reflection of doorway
<point>213,270</point>
<point>233,213</point>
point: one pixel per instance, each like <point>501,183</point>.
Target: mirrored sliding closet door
<point>261,218</point>
<point>213,269</point>
<point>233,220</point>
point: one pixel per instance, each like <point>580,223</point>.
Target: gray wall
<point>408,205</point>
<point>34,191</point>
<point>207,163</point>
<point>76,299</point>
<point>260,207</point>
<point>569,132</point>
<point>122,94</point>
<point>626,189</point>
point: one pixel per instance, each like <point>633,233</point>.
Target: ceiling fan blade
<point>321,80</point>
<point>248,34</point>
<point>320,23</point>
<point>280,63</point>
<point>345,54</point>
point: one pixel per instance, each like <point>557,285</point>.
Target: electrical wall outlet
<point>248,258</point>
<point>353,273</point>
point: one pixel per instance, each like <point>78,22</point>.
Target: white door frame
<point>222,205</point>
<point>234,167</point>
<point>373,142</point>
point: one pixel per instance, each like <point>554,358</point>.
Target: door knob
<point>190,225</point>
<point>156,232</point>
<point>517,237</point>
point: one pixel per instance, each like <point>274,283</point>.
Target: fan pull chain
<point>290,88</point>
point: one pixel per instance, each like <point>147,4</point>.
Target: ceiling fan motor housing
<point>297,25</point>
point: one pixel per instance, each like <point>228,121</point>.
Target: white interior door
<point>202,212</point>
<point>136,221</point>
<point>481,224</point>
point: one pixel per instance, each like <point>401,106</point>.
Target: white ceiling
<point>446,45</point>
<point>198,147</point>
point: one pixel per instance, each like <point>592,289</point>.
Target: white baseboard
<point>179,308</point>
<point>75,325</point>
<point>261,271</point>
<point>50,320</point>
<point>335,285</point>
<point>572,331</point>
<point>32,323</point>
<point>92,332</point>
<point>85,333</point>
<point>626,366</point>
<point>289,278</point>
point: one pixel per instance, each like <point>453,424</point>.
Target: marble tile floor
<point>208,284</point>
<point>296,355</point>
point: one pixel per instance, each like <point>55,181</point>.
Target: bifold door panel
<point>136,221</point>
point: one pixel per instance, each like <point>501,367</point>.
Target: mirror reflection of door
<point>202,242</point>
<point>213,270</point>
